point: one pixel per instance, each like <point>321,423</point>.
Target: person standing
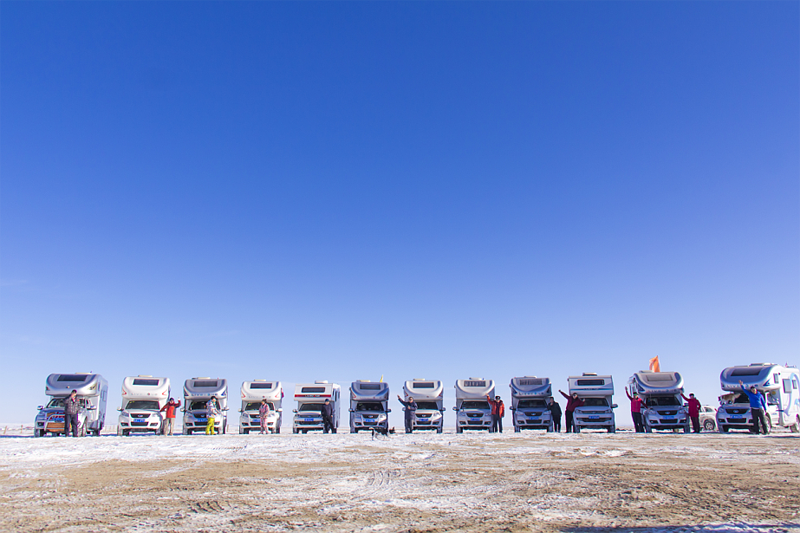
<point>573,402</point>
<point>263,413</point>
<point>694,411</point>
<point>498,411</point>
<point>758,408</point>
<point>169,420</point>
<point>327,417</point>
<point>410,408</point>
<point>637,404</point>
<point>212,412</point>
<point>555,413</point>
<point>72,406</point>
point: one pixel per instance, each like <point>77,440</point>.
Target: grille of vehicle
<point>305,423</point>
<point>421,422</point>
<point>667,413</point>
<point>475,415</point>
<point>737,411</point>
<point>594,420</point>
<point>138,423</point>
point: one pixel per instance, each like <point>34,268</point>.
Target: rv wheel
<point>517,429</point>
<point>612,429</point>
<point>459,430</point>
<point>795,428</point>
<point>37,433</point>
<point>277,430</point>
<point>686,428</point>
<point>295,431</point>
<point>576,429</point>
<point>709,425</point>
<point>723,429</point>
<point>439,430</point>
<point>126,432</point>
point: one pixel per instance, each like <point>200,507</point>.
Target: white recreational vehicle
<point>597,393</point>
<point>309,398</point>
<point>142,400</point>
<point>472,409</point>
<point>196,392</point>
<point>252,394</point>
<point>780,386</point>
<point>661,394</point>
<point>529,410</point>
<point>92,394</point>
<point>429,395</point>
<point>369,405</point>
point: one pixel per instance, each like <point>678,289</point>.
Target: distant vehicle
<point>92,395</point>
<point>429,395</point>
<point>529,396</point>
<point>661,394</point>
<point>597,394</point>
<point>252,394</point>
<point>369,405</point>
<point>142,400</point>
<point>310,397</point>
<point>472,409</point>
<point>708,417</point>
<point>196,393</point>
<point>779,384</point>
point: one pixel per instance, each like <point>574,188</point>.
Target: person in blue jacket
<point>411,410</point>
<point>758,408</point>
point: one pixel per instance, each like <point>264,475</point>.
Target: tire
<point>709,425</point>
<point>294,431</point>
<point>686,428</point>
<point>459,430</point>
<point>612,429</point>
<point>795,428</point>
<point>517,429</point>
<point>438,430</point>
<point>278,430</point>
<point>576,429</point>
<point>724,429</point>
<point>37,433</point>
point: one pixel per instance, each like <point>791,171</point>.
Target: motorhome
<point>661,394</point>
<point>92,395</point>
<point>196,393</point>
<point>472,409</point>
<point>310,397</point>
<point>780,386</point>
<point>369,405</point>
<point>142,400</point>
<point>597,393</point>
<point>429,395</point>
<point>253,392</point>
<point>529,410</point>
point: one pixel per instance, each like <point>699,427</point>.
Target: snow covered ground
<point>422,482</point>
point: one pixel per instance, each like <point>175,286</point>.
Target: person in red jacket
<point>169,421</point>
<point>573,402</point>
<point>694,411</point>
<point>498,410</point>
<point>637,404</point>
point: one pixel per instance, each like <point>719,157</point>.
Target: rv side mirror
<point>280,410</point>
<point>614,406</point>
<point>455,408</point>
<point>294,410</point>
<point>40,407</point>
<point>352,410</point>
<point>119,409</point>
<point>388,410</point>
<point>91,408</point>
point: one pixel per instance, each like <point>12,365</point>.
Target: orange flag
<point>654,365</point>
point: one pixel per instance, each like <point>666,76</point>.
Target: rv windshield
<point>474,404</point>
<point>313,407</point>
<point>147,405</point>
<point>531,402</point>
<point>428,405</point>
<point>662,401</point>
<point>59,402</point>
<point>741,398</point>
<point>595,402</point>
<point>369,406</point>
<point>254,406</point>
<point>198,405</point>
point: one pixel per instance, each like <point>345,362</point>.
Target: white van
<point>142,400</point>
<point>661,394</point>
<point>369,405</point>
<point>529,410</point>
<point>310,397</point>
<point>92,395</point>
<point>597,393</point>
<point>429,395</point>
<point>472,409</point>
<point>252,394</point>
<point>196,393</point>
<point>779,384</point>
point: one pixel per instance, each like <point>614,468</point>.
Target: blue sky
<point>303,191</point>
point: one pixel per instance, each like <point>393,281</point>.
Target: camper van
<point>429,395</point>
<point>252,394</point>
<point>369,405</point>
<point>142,400</point>
<point>597,393</point>
<point>472,409</point>
<point>92,394</point>
<point>780,386</point>
<point>529,410</point>
<point>309,398</point>
<point>661,394</point>
<point>196,392</point>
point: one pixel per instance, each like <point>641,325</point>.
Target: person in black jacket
<point>555,412</point>
<point>327,417</point>
<point>72,407</point>
<point>411,411</point>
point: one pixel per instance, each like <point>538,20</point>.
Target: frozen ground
<point>474,482</point>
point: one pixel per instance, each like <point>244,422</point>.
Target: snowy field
<point>474,482</point>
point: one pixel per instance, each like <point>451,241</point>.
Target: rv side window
<point>310,407</point>
<point>312,390</point>
<point>591,382</point>
<point>369,406</point>
<point>787,385</point>
<point>595,402</point>
<point>423,385</point>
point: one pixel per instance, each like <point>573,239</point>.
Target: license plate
<point>308,420</point>
<point>668,419</point>
<point>594,417</point>
<point>202,420</point>
<point>474,419</point>
<point>737,418</point>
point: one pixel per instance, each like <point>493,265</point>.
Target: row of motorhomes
<point>144,398</point>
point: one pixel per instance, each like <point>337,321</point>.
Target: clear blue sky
<point>303,191</point>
